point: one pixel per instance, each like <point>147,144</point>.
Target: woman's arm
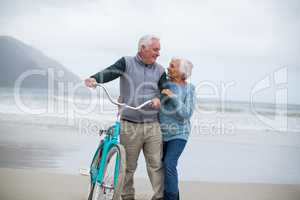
<point>184,110</point>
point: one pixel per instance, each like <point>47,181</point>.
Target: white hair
<point>146,40</point>
<point>185,67</point>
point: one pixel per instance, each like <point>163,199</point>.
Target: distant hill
<point>17,57</point>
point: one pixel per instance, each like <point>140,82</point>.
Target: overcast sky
<point>228,41</point>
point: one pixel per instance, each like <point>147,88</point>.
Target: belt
<point>136,122</point>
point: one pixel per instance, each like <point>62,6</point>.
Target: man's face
<point>150,53</point>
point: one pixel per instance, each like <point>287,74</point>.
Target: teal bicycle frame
<point>111,139</point>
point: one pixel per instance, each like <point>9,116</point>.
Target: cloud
<point>227,40</point>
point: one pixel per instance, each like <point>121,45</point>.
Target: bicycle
<point>107,170</point>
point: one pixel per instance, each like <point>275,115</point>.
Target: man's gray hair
<point>185,67</point>
<point>146,40</point>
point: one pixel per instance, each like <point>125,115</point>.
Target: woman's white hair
<point>185,67</point>
<point>146,40</point>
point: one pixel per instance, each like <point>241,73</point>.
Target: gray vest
<point>138,84</point>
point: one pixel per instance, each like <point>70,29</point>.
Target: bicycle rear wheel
<point>113,176</point>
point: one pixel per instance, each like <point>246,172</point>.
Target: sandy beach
<point>19,184</point>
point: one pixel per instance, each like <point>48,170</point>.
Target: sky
<point>231,43</point>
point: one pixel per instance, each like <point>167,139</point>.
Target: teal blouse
<point>175,112</point>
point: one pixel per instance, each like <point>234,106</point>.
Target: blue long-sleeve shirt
<point>175,112</point>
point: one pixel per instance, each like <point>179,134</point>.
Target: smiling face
<point>174,72</point>
<point>150,53</point>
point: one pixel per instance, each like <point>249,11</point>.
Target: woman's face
<point>173,70</point>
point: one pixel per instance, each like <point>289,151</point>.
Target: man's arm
<point>112,72</point>
<point>161,86</point>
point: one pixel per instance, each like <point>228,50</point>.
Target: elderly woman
<point>177,108</point>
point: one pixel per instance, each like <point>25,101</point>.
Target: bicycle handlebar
<point>122,104</point>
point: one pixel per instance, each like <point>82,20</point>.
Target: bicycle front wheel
<point>113,176</point>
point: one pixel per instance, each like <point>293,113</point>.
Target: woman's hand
<point>167,92</point>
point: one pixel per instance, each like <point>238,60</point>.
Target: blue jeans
<point>171,153</point>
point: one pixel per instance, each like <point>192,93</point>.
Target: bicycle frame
<point>110,139</point>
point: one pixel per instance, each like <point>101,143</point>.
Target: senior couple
<point>161,129</point>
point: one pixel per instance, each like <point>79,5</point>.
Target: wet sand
<point>44,146</point>
<point>31,184</point>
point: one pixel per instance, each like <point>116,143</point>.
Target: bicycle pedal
<point>84,172</point>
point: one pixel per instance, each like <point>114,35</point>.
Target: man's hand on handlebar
<point>155,103</point>
<point>90,82</point>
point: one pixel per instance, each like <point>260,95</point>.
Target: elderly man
<point>141,79</point>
